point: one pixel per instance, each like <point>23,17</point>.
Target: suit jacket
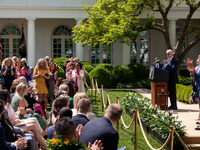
<point>79,119</point>
<point>172,69</point>
<point>197,78</point>
<point>3,144</point>
<point>50,132</point>
<point>100,129</point>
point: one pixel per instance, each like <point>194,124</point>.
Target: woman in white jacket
<point>77,75</point>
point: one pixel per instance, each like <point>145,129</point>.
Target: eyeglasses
<point>167,54</point>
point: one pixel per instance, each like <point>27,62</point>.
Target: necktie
<point>156,65</point>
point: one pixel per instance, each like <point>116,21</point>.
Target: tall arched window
<point>139,48</point>
<point>62,43</point>
<point>184,44</point>
<point>10,38</point>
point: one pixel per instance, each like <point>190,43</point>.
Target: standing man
<point>157,63</point>
<point>102,128</point>
<point>170,65</point>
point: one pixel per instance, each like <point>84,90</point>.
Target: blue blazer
<point>50,132</point>
<point>197,78</point>
<point>100,129</point>
<point>3,144</point>
<point>79,119</point>
<point>172,69</point>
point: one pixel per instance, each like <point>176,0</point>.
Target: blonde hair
<point>79,96</point>
<point>21,89</point>
<point>5,60</point>
<point>38,64</point>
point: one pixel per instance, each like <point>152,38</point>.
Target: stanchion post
<point>136,124</point>
<point>118,121</point>
<point>172,138</point>
<point>95,91</point>
<point>92,87</point>
<point>102,97</point>
<point>107,103</point>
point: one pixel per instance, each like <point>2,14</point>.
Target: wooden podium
<point>159,78</point>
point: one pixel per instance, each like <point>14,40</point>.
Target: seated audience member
<point>71,94</point>
<point>19,144</point>
<point>62,87</point>
<point>90,115</point>
<point>102,128</point>
<point>30,125</point>
<point>64,112</point>
<point>64,128</point>
<point>61,101</point>
<point>82,109</point>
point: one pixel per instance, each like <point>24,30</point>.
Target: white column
<point>172,32</point>
<point>126,59</point>
<point>31,42</point>
<point>79,48</point>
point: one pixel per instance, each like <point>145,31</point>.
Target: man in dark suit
<point>157,63</point>
<point>102,128</point>
<point>171,66</point>
<point>82,109</point>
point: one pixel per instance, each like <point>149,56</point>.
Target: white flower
<point>130,93</point>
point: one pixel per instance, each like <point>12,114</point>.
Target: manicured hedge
<point>87,63</point>
<point>88,68</point>
<point>139,70</point>
<point>183,93</point>
<point>123,74</point>
<point>60,61</point>
<point>104,75</point>
<point>185,80</point>
<point>61,72</point>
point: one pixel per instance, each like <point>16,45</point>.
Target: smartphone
<point>27,138</point>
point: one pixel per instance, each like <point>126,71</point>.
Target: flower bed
<point>157,123</point>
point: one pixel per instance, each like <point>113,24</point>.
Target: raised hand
<point>191,70</point>
<point>97,145</point>
<point>189,63</point>
<point>165,62</point>
<point>79,129</point>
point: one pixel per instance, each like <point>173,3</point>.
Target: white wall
<point>117,53</point>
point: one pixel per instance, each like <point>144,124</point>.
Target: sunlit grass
<point>126,136</point>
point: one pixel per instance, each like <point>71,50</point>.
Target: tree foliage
<point>111,20</point>
<point>119,20</point>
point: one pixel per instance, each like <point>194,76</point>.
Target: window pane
<point>68,48</point>
<point>62,30</point>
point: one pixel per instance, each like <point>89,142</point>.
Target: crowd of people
<point>26,91</point>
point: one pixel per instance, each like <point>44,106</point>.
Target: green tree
<point>118,20</point>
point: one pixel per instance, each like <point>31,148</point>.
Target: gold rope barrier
<point>136,124</point>
<point>102,97</point>
<point>95,91</point>
<point>127,127</point>
<point>108,99</point>
<point>92,85</point>
<point>96,84</point>
<point>166,142</point>
<point>182,142</point>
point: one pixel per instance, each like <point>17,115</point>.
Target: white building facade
<point>48,32</point>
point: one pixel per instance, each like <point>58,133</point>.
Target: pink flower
<point>196,99</point>
<point>191,99</point>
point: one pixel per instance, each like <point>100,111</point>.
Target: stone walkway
<point>186,113</point>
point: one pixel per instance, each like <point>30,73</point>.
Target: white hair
<point>23,60</point>
<point>170,51</point>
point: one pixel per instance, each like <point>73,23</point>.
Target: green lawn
<point>126,136</point>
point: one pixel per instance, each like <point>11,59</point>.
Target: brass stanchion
<point>92,87</point>
<point>136,124</point>
<point>102,97</point>
<point>172,138</point>
<point>95,91</point>
<point>118,121</point>
<point>107,103</point>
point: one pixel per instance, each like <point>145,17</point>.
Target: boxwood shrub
<point>104,75</point>
<point>88,68</point>
<point>61,72</point>
<point>123,74</point>
<point>60,61</point>
<point>87,63</point>
<point>139,70</point>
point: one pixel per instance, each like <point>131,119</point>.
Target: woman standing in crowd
<point>19,72</point>
<point>52,79</point>
<point>77,75</point>
<point>7,72</point>
<point>41,73</point>
<point>28,74</point>
<point>71,94</point>
<point>58,83</point>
